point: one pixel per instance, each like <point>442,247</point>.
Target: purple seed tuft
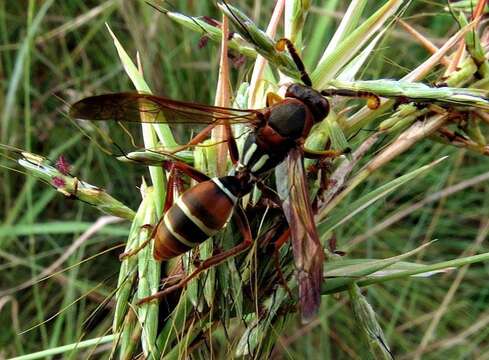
<point>63,165</point>
<point>58,182</point>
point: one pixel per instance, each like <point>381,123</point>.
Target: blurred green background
<point>56,52</point>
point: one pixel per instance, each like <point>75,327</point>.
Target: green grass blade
<point>342,216</point>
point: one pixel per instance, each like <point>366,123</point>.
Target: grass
<point>65,49</point>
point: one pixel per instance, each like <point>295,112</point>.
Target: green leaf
<point>417,92</point>
<point>339,277</point>
<point>341,216</point>
<point>330,65</point>
<point>373,336</point>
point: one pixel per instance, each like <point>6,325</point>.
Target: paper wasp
<point>278,132</point>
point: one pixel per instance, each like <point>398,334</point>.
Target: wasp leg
<point>270,195</point>
<point>202,135</point>
<point>276,255</point>
<point>232,146</point>
<point>141,246</point>
<point>197,139</point>
<point>243,226</point>
<point>189,170</point>
<point>170,187</point>
<point>273,98</point>
<point>320,154</point>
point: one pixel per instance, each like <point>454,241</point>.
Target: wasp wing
<point>307,249</point>
<point>128,106</point>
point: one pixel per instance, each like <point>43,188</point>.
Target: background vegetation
<point>62,48</point>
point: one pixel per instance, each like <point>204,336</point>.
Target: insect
<point>278,133</point>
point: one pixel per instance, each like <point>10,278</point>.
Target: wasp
<point>278,133</point>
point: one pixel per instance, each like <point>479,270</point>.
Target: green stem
<point>66,348</point>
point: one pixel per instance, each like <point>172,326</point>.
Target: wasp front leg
<point>204,134</point>
<point>321,154</point>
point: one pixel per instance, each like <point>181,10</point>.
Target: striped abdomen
<point>197,215</point>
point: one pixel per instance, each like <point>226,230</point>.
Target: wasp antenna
<point>373,100</point>
<point>281,45</point>
<point>128,133</point>
<point>87,135</point>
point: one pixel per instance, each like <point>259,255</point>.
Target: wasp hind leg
<point>243,226</point>
<point>141,246</point>
<point>282,239</point>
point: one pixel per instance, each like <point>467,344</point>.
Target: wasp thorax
<point>288,119</point>
<point>317,104</point>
